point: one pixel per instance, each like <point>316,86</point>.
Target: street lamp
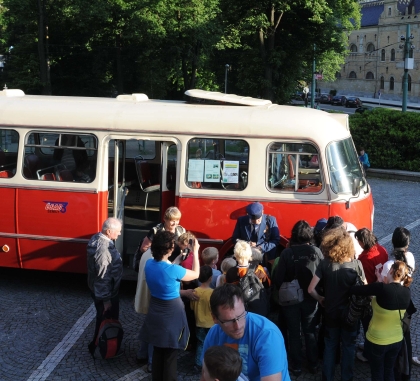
<point>226,72</point>
<point>408,63</point>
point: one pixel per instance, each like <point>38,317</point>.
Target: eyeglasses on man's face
<point>233,321</point>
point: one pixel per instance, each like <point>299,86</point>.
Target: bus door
<point>142,178</point>
<point>118,189</point>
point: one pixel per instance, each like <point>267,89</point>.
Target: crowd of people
<point>328,284</point>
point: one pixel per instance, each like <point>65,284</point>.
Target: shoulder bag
<point>290,293</point>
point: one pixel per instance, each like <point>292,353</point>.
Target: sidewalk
<point>386,102</point>
<point>394,174</point>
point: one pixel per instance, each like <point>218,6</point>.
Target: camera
<point>185,254</point>
<point>190,242</point>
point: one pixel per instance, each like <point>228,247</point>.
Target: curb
<point>394,174</point>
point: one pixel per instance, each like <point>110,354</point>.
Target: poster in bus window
<point>230,171</point>
<point>212,171</point>
<point>195,170</point>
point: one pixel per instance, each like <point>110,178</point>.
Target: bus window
<point>217,164</point>
<point>60,157</point>
<point>344,166</point>
<point>9,144</point>
<point>293,167</point>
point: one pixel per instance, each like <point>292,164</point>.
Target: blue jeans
<point>299,316</point>
<point>382,360</point>
<point>201,334</point>
<point>333,337</point>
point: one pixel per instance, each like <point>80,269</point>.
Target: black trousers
<point>99,305</point>
<point>164,364</point>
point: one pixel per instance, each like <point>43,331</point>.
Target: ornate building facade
<point>375,62</point>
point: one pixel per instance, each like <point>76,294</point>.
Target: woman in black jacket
<point>300,261</point>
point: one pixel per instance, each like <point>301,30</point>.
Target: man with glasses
<point>259,230</point>
<point>258,340</point>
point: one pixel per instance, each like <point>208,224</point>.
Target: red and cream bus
<point>67,163</point>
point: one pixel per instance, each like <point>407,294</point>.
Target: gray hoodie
<point>105,267</point>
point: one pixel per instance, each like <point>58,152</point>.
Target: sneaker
<point>361,346</point>
<point>360,357</point>
<point>416,361</point>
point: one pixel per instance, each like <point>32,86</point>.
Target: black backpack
<point>256,297</point>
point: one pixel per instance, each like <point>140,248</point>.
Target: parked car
<point>339,100</point>
<point>325,98</point>
<point>353,102</point>
<point>362,109</point>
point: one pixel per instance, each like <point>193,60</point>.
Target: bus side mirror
<point>355,186</point>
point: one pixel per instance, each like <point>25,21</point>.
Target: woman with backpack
<point>299,261</point>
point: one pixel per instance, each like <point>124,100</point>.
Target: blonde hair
<point>227,264</point>
<point>185,237</point>
<point>337,245</point>
<point>242,252</point>
<point>209,254</point>
<point>172,213</point>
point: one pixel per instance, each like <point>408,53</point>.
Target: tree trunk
<point>120,82</point>
<point>43,59</point>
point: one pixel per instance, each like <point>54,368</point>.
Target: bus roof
<point>139,114</point>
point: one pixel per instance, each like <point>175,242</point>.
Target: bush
<point>390,137</point>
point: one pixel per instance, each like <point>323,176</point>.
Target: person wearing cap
<point>259,230</point>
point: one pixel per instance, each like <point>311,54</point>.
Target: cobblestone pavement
<point>47,319</point>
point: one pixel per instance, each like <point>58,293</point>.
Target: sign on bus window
<point>9,145</point>
<point>293,167</point>
<point>217,164</point>
<point>63,157</point>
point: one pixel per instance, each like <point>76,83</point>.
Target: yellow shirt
<point>201,308</point>
<point>385,327</point>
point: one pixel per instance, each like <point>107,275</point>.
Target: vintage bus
<point>67,163</point>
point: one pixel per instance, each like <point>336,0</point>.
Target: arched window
<point>338,75</point>
<point>391,83</point>
<point>382,86</point>
<point>352,74</point>
<point>369,75</point>
<point>392,54</point>
<point>353,48</point>
<point>409,82</point>
<point>370,48</point>
<point>383,55</point>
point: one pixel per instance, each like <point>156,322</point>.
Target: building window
<point>392,54</point>
<point>389,11</point>
<point>382,86</point>
<point>352,75</point>
<point>369,75</point>
<point>409,82</point>
<point>375,37</point>
<point>338,75</point>
<point>370,48</point>
<point>388,39</point>
<point>357,39</point>
<point>391,83</point>
<point>353,48</point>
<point>383,55</point>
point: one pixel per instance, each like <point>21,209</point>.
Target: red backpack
<point>109,339</point>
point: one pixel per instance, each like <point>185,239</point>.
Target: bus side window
<point>217,164</point>
<point>9,144</point>
<point>60,157</point>
<point>293,167</point>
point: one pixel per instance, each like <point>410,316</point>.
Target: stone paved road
<point>47,319</point>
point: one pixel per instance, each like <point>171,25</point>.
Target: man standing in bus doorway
<point>259,230</point>
<point>105,268</point>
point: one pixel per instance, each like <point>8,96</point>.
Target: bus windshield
<point>344,166</point>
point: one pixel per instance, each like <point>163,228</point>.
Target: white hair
<point>111,223</point>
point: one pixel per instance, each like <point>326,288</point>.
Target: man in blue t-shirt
<point>258,341</point>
